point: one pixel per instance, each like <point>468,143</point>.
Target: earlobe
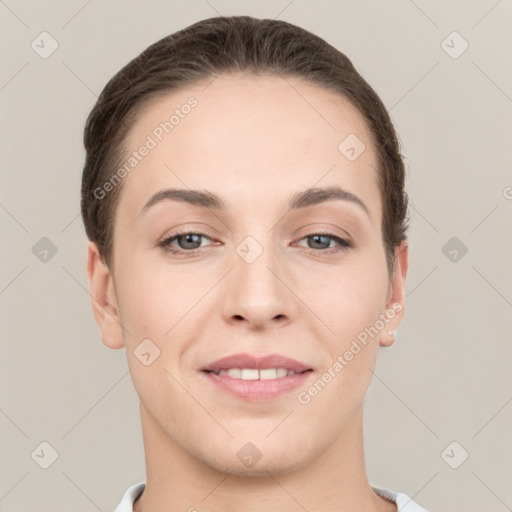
<point>103,298</point>
<point>395,309</point>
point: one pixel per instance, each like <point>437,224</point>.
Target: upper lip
<point>259,362</point>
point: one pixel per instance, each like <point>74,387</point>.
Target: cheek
<point>154,299</point>
<point>348,298</point>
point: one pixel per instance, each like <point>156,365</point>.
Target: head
<point>243,116</point>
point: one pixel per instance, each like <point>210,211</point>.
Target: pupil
<point>317,239</point>
<point>190,239</point>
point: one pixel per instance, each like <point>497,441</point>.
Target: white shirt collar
<point>403,502</point>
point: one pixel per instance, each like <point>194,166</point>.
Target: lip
<point>257,390</point>
<point>248,361</point>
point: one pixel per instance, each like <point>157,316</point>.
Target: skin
<point>254,141</point>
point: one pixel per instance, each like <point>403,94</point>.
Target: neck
<point>335,480</point>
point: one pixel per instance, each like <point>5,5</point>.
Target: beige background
<point>447,378</point>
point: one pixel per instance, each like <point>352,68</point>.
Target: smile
<point>255,374</point>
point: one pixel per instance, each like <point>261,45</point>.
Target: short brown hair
<point>230,44</point>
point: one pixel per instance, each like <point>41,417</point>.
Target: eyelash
<point>343,244</point>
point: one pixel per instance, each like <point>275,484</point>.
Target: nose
<point>258,293</point>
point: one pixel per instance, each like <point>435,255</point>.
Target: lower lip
<point>258,390</point>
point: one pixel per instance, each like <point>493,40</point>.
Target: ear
<point>396,294</point>
<point>103,298</point>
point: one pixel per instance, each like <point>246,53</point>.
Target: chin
<point>256,460</point>
<point>262,468</point>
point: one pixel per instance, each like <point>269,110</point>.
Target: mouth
<point>256,379</point>
<point>255,374</point>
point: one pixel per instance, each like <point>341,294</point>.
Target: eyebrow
<point>205,199</point>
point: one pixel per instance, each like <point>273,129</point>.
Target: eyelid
<point>342,243</point>
<point>334,236</point>
<point>165,242</point>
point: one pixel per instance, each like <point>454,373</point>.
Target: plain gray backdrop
<point>438,413</point>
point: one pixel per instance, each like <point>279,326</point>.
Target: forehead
<point>245,136</point>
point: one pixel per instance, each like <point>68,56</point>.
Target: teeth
<point>235,373</point>
<point>249,374</point>
<point>268,373</point>
<point>255,374</point>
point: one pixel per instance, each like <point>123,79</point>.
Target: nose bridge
<point>255,293</point>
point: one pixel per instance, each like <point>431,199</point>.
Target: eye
<point>322,241</point>
<point>188,242</point>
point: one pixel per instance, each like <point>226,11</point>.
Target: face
<point>263,271</point>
